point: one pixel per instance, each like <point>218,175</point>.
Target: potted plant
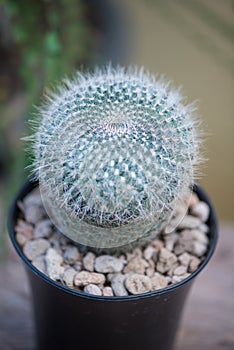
<point>128,230</point>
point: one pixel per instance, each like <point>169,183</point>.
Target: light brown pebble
<point>84,278</point>
<point>137,265</point>
<point>201,210</point>
<point>39,263</point>
<point>185,258</point>
<point>180,270</point>
<point>189,222</point>
<point>42,229</point>
<point>137,252</point>
<point>24,228</point>
<point>71,254</point>
<point>108,264</point>
<point>21,239</point>
<point>32,249</point>
<point>88,261</point>
<point>170,241</point>
<point>53,262</point>
<point>92,289</point>
<point>194,263</point>
<point>199,248</point>
<point>167,257</point>
<point>158,281</point>
<point>157,244</point>
<point>107,291</point>
<point>68,276</point>
<point>177,279</point>
<point>149,252</point>
<point>170,272</point>
<point>150,270</point>
<point>117,285</point>
<point>137,283</point>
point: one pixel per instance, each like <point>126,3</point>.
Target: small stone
<point>137,252</point>
<point>24,228</point>
<point>108,264</point>
<point>117,284</point>
<point>201,210</point>
<point>84,278</point>
<point>167,257</point>
<point>170,241</point>
<point>78,266</point>
<point>107,291</point>
<point>33,214</point>
<point>158,281</point>
<point>137,265</point>
<point>39,263</point>
<point>88,261</point>
<point>150,270</point>
<point>194,263</point>
<point>204,228</point>
<point>33,198</point>
<point>149,252</point>
<point>200,236</point>
<point>21,239</point>
<point>189,222</point>
<point>180,270</point>
<point>71,254</point>
<point>185,258</point>
<point>199,248</point>
<point>32,249</point>
<point>177,279</point>
<point>42,229</point>
<point>157,244</point>
<point>92,289</point>
<point>68,276</point>
<point>137,283</point>
<point>170,272</point>
<point>53,264</point>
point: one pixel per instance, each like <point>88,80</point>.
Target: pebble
<point>24,228</point>
<point>32,249</point>
<point>199,248</point>
<point>108,264</point>
<point>170,241</point>
<point>150,270</point>
<point>107,291</point>
<point>194,263</point>
<point>71,254</point>
<point>185,258</point>
<point>137,283</point>
<point>88,261</point>
<point>158,281</point>
<point>117,285</point>
<point>42,229</point>
<point>53,262</point>
<point>166,257</point>
<point>180,270</point>
<point>177,279</point>
<point>33,198</point>
<point>149,253</point>
<point>189,222</point>
<point>157,244</point>
<point>21,239</point>
<point>92,289</point>
<point>68,276</point>
<point>84,278</point>
<point>33,214</point>
<point>201,210</point>
<point>39,263</point>
<point>137,265</point>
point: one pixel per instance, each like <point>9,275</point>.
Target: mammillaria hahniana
<point>115,150</point>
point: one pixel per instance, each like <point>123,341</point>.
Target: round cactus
<point>115,151</point>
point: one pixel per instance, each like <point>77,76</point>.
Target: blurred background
<point>191,42</point>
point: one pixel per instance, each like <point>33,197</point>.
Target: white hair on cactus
<point>115,150</point>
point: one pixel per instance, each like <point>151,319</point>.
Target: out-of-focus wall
<point>192,43</point>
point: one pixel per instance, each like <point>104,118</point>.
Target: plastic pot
<point>68,319</point>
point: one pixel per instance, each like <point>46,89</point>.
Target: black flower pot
<point>68,319</point>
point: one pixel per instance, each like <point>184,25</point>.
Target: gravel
<point>165,260</point>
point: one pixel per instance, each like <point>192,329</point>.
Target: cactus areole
<point>115,151</point>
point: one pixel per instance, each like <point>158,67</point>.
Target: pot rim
<point>31,183</point>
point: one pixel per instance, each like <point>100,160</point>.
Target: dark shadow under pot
<point>68,319</point>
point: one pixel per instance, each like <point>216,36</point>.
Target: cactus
<point>115,150</point>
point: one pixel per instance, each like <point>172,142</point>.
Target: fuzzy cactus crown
<point>115,150</point>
